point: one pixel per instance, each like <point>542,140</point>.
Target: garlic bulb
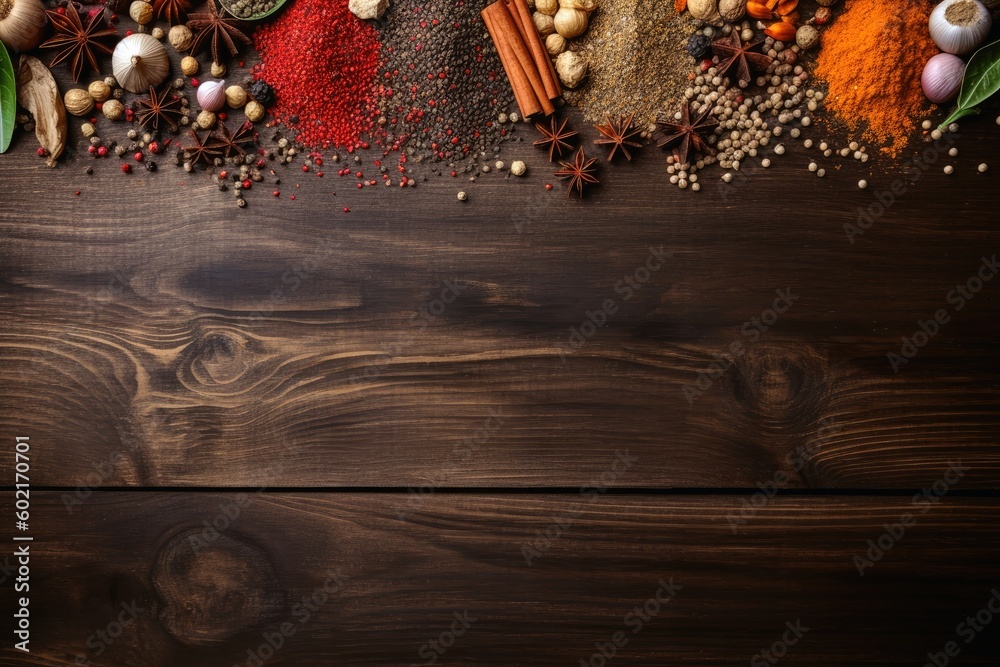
<point>958,26</point>
<point>22,24</point>
<point>212,95</point>
<point>942,77</point>
<point>139,61</point>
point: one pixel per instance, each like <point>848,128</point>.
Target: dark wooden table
<point>297,436</point>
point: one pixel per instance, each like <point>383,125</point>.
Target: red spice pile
<point>321,61</point>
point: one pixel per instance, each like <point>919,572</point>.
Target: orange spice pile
<point>872,57</point>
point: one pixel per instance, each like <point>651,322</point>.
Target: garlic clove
<point>212,95</point>
<point>140,61</point>
<point>959,26</point>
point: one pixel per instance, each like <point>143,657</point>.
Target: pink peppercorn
<point>126,168</point>
<point>138,156</point>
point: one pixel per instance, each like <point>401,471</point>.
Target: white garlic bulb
<point>958,26</point>
<point>140,61</point>
<point>22,24</point>
<point>212,95</point>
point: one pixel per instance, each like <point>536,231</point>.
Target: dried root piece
<point>37,92</point>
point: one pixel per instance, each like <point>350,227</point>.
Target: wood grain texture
<point>150,323</point>
<point>400,581</point>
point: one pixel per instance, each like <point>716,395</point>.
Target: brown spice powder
<point>638,60</point>
<point>871,58</point>
<point>962,13</point>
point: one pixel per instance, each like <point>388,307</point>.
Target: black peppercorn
<point>150,165</point>
<point>262,92</point>
<point>698,45</point>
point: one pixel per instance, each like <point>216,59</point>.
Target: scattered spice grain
<point>638,59</point>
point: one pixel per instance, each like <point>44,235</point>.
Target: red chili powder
<point>321,61</point>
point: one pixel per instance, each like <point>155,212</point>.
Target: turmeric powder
<point>871,58</point>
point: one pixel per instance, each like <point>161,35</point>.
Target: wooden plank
<point>153,321</point>
<point>399,581</point>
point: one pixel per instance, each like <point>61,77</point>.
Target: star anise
<point>76,41</point>
<point>160,109</point>
<point>554,138</point>
<point>618,134</point>
<point>230,143</point>
<point>204,150</point>
<point>732,51</point>
<point>210,28</point>
<point>580,172</point>
<point>687,134</point>
<point>171,11</point>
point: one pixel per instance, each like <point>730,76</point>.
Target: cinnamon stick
<point>504,23</point>
<point>522,16</point>
<point>524,94</point>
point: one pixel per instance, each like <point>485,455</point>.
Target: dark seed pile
<point>441,88</point>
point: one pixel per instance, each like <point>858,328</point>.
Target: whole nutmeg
<point>180,37</point>
<point>189,65</point>
<point>732,10</point>
<point>555,44</point>
<point>806,37</point>
<point>547,7</point>
<point>571,68</point>
<point>157,33</point>
<point>703,9</point>
<point>112,109</point>
<point>205,120</point>
<point>218,70</point>
<point>236,96</point>
<point>543,24</point>
<point>141,12</point>
<point>254,111</point>
<point>99,90</point>
<point>78,101</point>
<point>518,168</point>
<point>570,23</point>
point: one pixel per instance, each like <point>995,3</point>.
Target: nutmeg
<point>112,109</point>
<point>180,37</point>
<point>189,65</point>
<point>205,120</point>
<point>732,10</point>
<point>703,10</point>
<point>78,101</point>
<point>806,37</point>
<point>254,111</point>
<point>99,90</point>
<point>571,68</point>
<point>236,96</point>
<point>555,44</point>
<point>141,12</point>
<point>548,7</point>
<point>570,23</point>
<point>543,24</point>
